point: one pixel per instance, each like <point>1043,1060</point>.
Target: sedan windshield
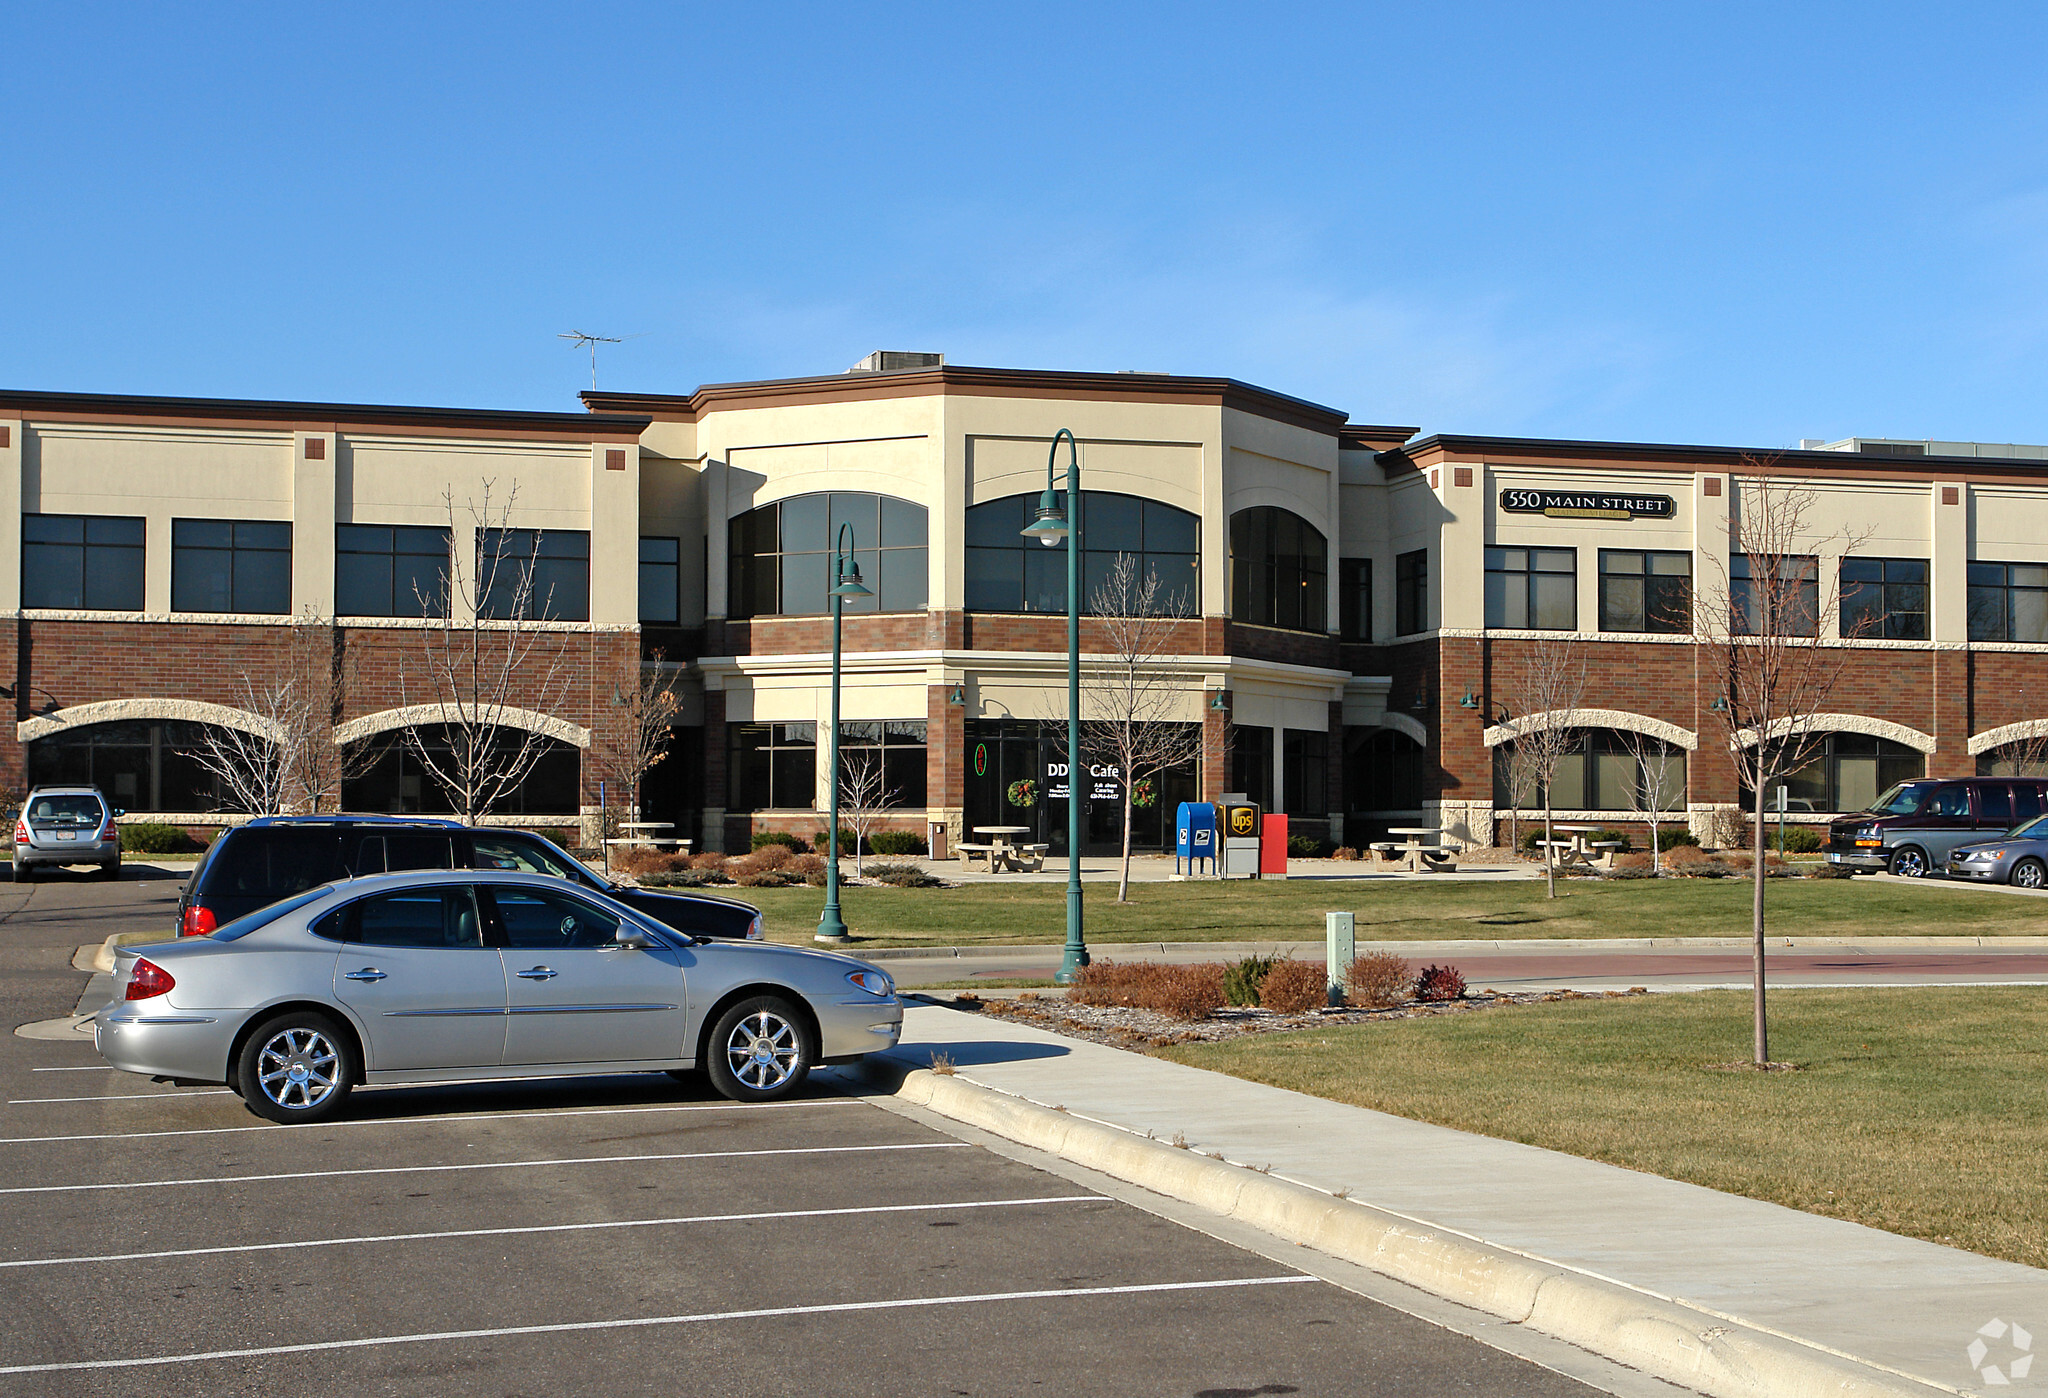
<point>1903,799</point>
<point>2035,829</point>
<point>263,917</point>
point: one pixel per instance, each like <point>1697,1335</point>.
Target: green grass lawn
<point>1920,1111</point>
<point>1396,910</point>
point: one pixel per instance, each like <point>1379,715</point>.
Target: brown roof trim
<point>1355,435</point>
<point>966,381</point>
<point>1644,456</point>
<point>240,412</point>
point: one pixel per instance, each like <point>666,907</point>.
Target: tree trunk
<point>1763,1042</point>
<point>1549,850</point>
<point>1123,883</point>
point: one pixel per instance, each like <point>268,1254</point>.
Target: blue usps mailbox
<point>1194,835</point>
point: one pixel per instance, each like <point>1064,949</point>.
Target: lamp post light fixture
<point>1059,519</point>
<point>846,583</point>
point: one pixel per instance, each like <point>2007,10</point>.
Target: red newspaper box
<point>1273,847</point>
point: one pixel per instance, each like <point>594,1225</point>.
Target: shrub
<point>685,878</point>
<point>903,876</point>
<point>710,859</point>
<point>822,842</point>
<point>1679,858</point>
<point>770,856</point>
<point>148,837</point>
<point>642,859</point>
<point>1379,978</point>
<point>1631,871</point>
<point>1828,871</point>
<point>1668,839</point>
<point>1344,852</point>
<point>1440,983</point>
<point>1186,992</point>
<point>808,867</point>
<point>791,842</point>
<point>1532,840</point>
<point>1241,980</point>
<point>1638,860</point>
<point>897,842</point>
<point>1799,839</point>
<point>766,878</point>
<point>1295,988</point>
<point>1308,847</point>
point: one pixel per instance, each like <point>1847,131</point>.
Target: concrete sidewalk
<point>1892,1302</point>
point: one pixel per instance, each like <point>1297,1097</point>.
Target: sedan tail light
<point>148,981</point>
<point>199,921</point>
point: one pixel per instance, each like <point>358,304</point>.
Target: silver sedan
<point>455,975</point>
<point>2019,857</point>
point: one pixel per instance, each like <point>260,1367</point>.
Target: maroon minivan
<point>1912,827</point>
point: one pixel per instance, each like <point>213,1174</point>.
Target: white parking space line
<point>436,1120</point>
<point>117,1097</point>
<point>574,1326</point>
<point>483,1165</point>
<point>562,1228</point>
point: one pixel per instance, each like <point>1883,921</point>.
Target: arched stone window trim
<point>1992,739</point>
<point>417,715</point>
<point>1403,724</point>
<point>126,710</point>
<point>1593,718</point>
<point>1843,723</point>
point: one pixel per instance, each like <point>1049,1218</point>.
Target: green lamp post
<point>846,583</point>
<point>1057,521</point>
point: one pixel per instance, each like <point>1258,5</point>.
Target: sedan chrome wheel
<point>763,1051</point>
<point>298,1068</point>
<point>2029,873</point>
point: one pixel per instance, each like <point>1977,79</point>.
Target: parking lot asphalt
<point>627,1234</point>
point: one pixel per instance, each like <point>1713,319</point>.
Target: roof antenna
<point>584,339</point>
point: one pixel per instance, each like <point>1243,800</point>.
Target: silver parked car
<point>2020,857</point>
<point>458,974</point>
<point>61,825</point>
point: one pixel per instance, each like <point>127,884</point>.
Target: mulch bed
<point>1123,1027</point>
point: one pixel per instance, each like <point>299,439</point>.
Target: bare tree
<point>1547,692</point>
<point>1652,764</point>
<point>641,734</point>
<point>864,798</point>
<point>1132,704</point>
<point>254,772</point>
<point>1760,627</point>
<point>1521,790</point>
<point>488,651</point>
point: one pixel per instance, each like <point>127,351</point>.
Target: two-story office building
<point>1352,599</point>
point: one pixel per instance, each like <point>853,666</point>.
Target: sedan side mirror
<point>634,938</point>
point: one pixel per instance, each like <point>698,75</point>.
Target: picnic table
<point>1420,849</point>
<point>652,840</point>
<point>1575,849</point>
<point>1000,852</point>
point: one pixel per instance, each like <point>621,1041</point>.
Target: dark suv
<point>1912,827</point>
<point>251,866</point>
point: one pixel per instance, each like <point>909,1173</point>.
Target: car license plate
<point>67,834</point>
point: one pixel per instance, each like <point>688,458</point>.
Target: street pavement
<point>625,1234</point>
<point>1901,1304</point>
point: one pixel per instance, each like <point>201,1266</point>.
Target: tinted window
<point>1900,800</point>
<point>1951,801</point>
<point>272,864</point>
<point>81,562</point>
<point>660,579</point>
<point>231,565</point>
<point>2026,802</point>
<point>415,917</point>
<point>780,555</point>
<point>545,920</point>
<point>534,574</point>
<point>1994,805</point>
<point>390,570</point>
<point>391,853</point>
<point>526,856</point>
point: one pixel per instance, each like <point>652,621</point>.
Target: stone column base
<point>1717,823</point>
<point>712,826</point>
<point>1468,822</point>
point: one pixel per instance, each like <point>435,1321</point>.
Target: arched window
<point>779,556</point>
<point>1007,572</point>
<point>1384,770</point>
<point>393,779</point>
<point>1606,770</point>
<point>1279,566</point>
<point>2026,758</point>
<point>1847,771</point>
<point>140,764</point>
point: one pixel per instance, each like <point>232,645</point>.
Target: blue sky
<point>1731,223</point>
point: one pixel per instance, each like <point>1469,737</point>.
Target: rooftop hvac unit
<point>893,361</point>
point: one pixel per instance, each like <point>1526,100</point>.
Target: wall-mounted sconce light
<point>1419,702</point>
<point>1218,704</point>
<point>958,696</point>
<point>1470,701</point>
<point>1720,704</point>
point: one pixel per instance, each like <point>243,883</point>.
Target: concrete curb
<point>1112,950</point>
<point>1699,1349</point>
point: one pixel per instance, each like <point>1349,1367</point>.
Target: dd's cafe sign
<point>1587,504</point>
